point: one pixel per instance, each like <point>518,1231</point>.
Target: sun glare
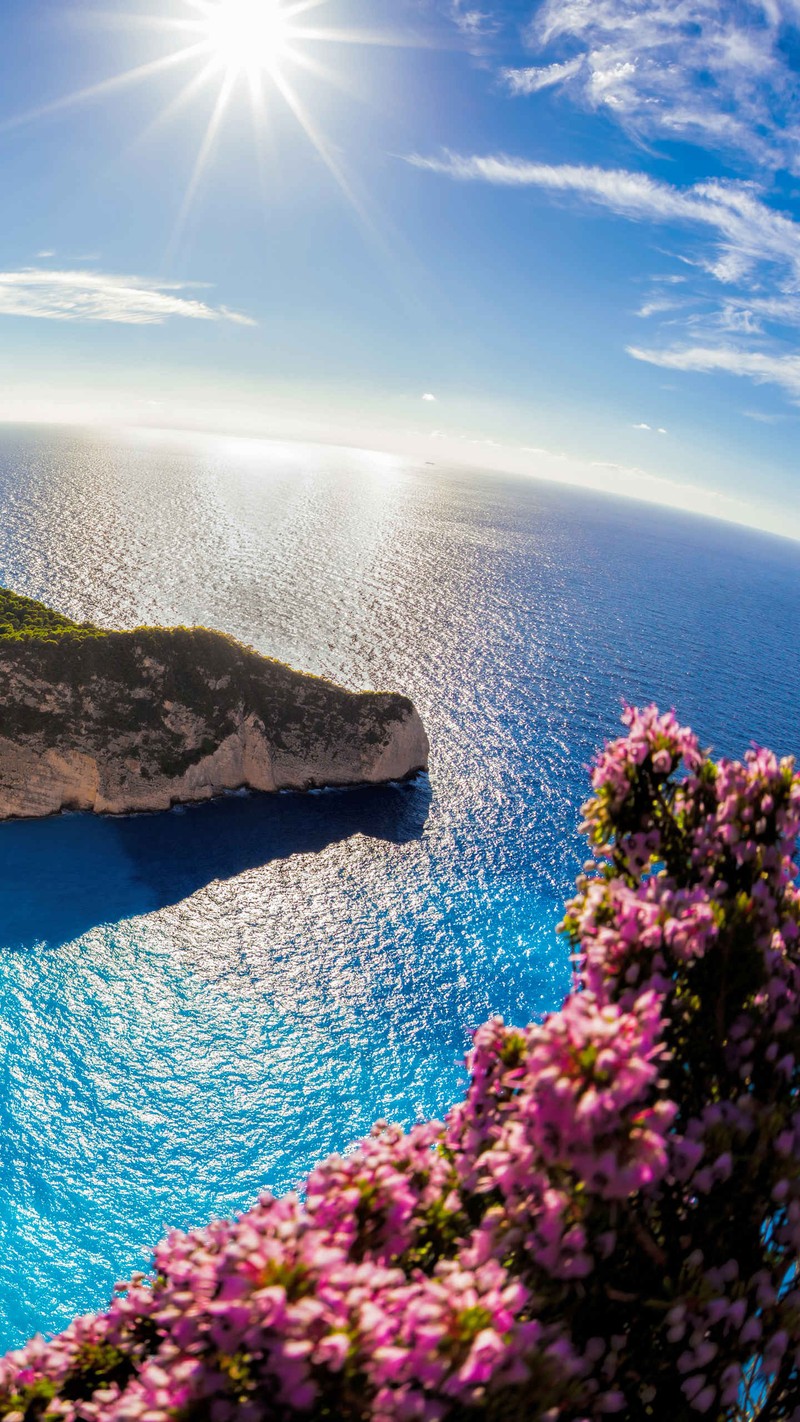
<point>264,50</point>
<point>248,35</point>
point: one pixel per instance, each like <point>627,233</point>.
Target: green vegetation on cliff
<point>22,619</point>
<point>166,697</point>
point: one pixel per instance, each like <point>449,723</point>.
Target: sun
<point>265,50</point>
<point>247,36</point>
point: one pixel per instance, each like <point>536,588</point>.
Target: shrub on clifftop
<point>608,1223</point>
<point>23,620</point>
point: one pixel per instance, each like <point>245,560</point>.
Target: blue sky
<point>574,224</point>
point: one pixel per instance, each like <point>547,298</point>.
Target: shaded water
<point>197,1005</point>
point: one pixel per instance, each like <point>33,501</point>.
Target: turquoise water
<point>197,1005</point>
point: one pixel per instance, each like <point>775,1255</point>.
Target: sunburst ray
<point>384,39</point>
<point>106,86</point>
<point>206,147</point>
<point>183,98</point>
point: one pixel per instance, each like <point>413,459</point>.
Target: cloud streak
<point>760,366</point>
<point>521,82</point>
<point>748,230</point>
<point>96,296</point>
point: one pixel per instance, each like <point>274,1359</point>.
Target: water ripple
<point>197,1005</point>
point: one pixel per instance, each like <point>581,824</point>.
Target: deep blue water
<point>197,1005</point>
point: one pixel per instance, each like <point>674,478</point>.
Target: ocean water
<point>199,1005</point>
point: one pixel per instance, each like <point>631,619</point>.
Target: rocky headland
<point>119,722</point>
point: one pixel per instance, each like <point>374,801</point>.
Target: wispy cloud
<point>746,267</point>
<point>658,305</point>
<point>545,76</point>
<point>98,296</point>
<point>761,366</point>
<point>762,417</point>
<point>475,24</point>
<point>720,75</point>
<point>748,230</point>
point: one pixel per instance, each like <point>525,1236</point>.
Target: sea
<point>197,1006</point>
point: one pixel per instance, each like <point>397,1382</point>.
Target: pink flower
<point>614,1204</point>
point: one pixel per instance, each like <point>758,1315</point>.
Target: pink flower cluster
<point>607,1223</point>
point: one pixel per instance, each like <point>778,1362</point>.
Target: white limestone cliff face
<point>144,720</point>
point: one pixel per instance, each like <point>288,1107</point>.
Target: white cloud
<point>429,397</point>
<point>531,81</point>
<point>719,75</point>
<point>738,319</point>
<point>97,296</point>
<point>641,427</point>
<point>748,230</point>
<point>760,366</point>
<point>784,308</point>
<point>762,417</point>
<point>474,24</point>
<point>657,305</point>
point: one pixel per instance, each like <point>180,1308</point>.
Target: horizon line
<point>466,462</point>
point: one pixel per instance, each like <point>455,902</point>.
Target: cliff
<point>118,722</point>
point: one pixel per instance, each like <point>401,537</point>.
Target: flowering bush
<point>609,1222</point>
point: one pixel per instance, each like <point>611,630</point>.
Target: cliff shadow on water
<point>63,876</point>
